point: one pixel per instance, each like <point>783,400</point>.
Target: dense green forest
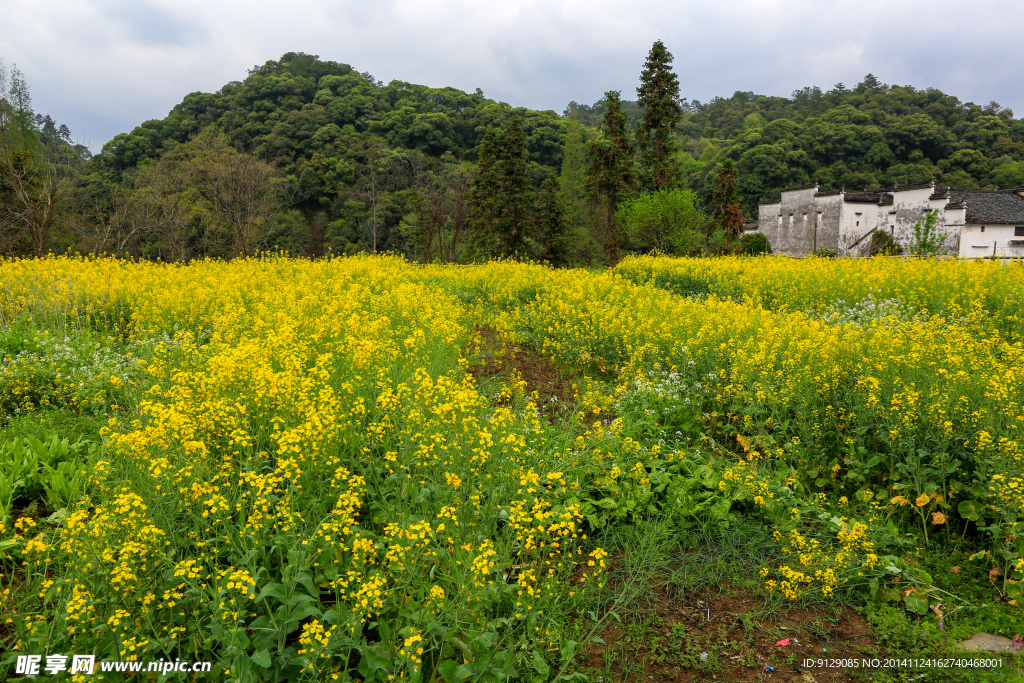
<point>313,157</point>
<point>873,135</point>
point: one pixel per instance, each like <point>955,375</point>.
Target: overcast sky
<point>104,66</point>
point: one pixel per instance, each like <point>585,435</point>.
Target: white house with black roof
<point>976,223</point>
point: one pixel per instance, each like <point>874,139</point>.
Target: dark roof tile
<point>870,197</point>
<point>1000,206</point>
<point>915,186</point>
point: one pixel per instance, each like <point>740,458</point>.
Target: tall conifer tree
<point>551,224</point>
<point>515,189</point>
<point>658,96</point>
<point>610,172</point>
<point>500,196</point>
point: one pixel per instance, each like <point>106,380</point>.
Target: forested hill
<point>313,157</point>
<point>291,110</point>
<point>321,123</point>
<point>348,150</point>
<point>873,135</point>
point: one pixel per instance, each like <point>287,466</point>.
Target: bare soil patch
<point>728,635</point>
<point>550,386</point>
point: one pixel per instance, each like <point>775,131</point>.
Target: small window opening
<point>1018,231</point>
<point>983,228</point>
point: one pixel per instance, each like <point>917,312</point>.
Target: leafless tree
<point>239,188</point>
<point>35,176</point>
<point>442,213</point>
<point>35,180</point>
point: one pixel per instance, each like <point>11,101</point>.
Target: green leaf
<point>915,603</point>
<point>370,663</point>
<point>485,640</point>
<point>540,665</point>
<point>272,590</point>
<point>300,599</point>
<point>970,509</point>
<point>864,495</point>
<point>262,658</point>
<point>451,671</point>
<point>307,581</point>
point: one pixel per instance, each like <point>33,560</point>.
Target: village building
<point>975,223</point>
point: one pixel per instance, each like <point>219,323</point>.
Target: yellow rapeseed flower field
<point>300,477</point>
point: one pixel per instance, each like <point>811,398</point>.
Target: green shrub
<point>882,244</point>
<point>755,243</point>
<point>667,221</point>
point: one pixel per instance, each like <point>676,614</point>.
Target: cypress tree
<point>610,172</point>
<point>499,198</point>
<point>658,96</point>
<point>551,223</point>
<point>515,188</point>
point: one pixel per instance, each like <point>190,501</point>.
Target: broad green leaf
<point>970,509</point>
<point>262,658</point>
<point>540,665</point>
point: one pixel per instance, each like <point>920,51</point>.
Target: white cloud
<point>104,66</point>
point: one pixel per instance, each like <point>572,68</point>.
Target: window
<point>1018,231</point>
<point>858,223</point>
<point>983,228</point>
